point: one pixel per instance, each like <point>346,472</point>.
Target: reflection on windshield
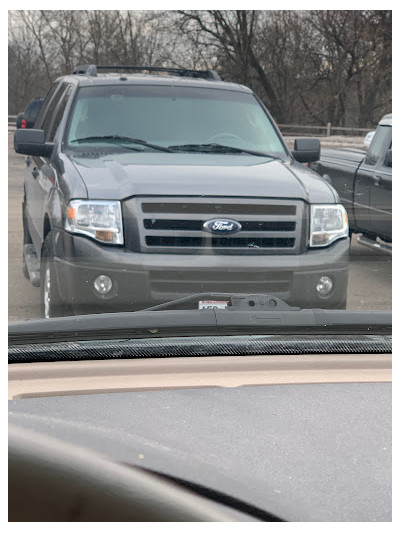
<point>200,265</point>
<point>178,117</point>
<point>142,185</point>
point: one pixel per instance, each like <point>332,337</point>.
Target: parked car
<point>364,183</point>
<point>19,120</point>
<point>142,188</point>
<point>26,119</point>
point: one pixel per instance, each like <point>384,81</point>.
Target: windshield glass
<point>200,265</point>
<point>173,116</point>
<point>138,185</point>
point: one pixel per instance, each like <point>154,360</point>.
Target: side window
<point>45,105</point>
<point>59,113</point>
<point>378,145</point>
<point>33,111</point>
<point>50,110</point>
<point>388,158</point>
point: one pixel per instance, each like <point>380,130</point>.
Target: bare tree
<point>308,66</point>
<point>349,54</point>
<point>24,65</point>
<point>234,37</point>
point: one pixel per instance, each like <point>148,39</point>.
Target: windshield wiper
<point>245,314</point>
<point>214,148</point>
<point>123,139</point>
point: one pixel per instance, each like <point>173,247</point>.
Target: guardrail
<point>12,119</point>
<point>328,129</point>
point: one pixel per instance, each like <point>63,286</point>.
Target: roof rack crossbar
<point>91,70</point>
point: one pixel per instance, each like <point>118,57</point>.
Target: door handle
<point>28,160</point>
<point>35,172</point>
<point>377,181</point>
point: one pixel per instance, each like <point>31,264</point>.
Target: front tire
<point>50,301</point>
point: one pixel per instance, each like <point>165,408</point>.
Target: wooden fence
<point>286,129</point>
<point>321,131</point>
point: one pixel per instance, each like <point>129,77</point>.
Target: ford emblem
<point>223,226</point>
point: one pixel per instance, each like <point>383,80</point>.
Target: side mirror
<point>306,149</point>
<point>388,159</point>
<point>32,142</point>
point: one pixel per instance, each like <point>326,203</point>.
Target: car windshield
<point>172,117</point>
<point>141,185</point>
<point>200,255</point>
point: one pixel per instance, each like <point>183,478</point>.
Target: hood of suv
<point>119,176</point>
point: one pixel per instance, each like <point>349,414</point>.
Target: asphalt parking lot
<point>370,280</point>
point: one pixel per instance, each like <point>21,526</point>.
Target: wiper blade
<point>246,314</point>
<point>123,139</point>
<point>218,149</point>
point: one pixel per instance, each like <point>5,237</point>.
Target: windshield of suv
<point>172,116</point>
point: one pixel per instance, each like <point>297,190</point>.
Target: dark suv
<point>27,118</point>
<point>141,188</point>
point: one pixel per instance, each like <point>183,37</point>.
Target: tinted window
<point>32,110</point>
<point>388,159</point>
<point>46,102</point>
<point>50,110</point>
<point>59,113</point>
<point>378,145</point>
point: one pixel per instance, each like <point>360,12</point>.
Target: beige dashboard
<point>95,377</point>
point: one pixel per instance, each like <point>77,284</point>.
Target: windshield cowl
<point>243,314</point>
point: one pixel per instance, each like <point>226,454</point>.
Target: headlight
<point>328,223</point>
<point>99,219</point>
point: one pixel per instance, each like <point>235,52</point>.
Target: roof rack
<point>91,70</point>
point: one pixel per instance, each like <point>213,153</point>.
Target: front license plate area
<point>213,304</point>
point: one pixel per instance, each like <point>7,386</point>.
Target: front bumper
<point>141,280</point>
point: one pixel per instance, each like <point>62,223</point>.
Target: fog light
<point>324,286</point>
<point>103,284</point>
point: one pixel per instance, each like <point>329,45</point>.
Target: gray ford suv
<point>141,187</point>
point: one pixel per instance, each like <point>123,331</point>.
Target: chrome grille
<point>175,225</point>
